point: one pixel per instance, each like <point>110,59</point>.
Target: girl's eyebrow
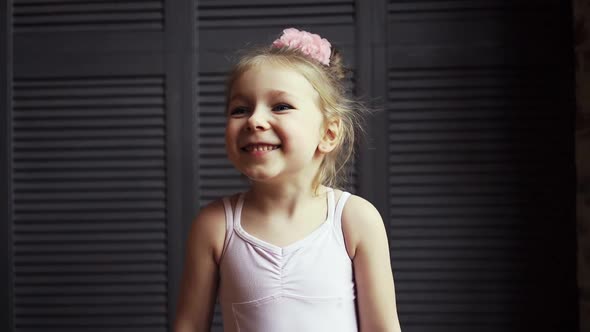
<point>279,93</point>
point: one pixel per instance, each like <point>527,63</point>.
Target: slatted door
<point>99,99</point>
<point>228,25</point>
<point>480,164</point>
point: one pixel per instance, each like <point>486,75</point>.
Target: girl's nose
<point>257,121</point>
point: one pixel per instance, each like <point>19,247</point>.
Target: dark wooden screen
<point>224,27</point>
<point>100,162</point>
<point>113,129</point>
<point>478,129</point>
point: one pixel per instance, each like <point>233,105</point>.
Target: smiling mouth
<point>259,147</point>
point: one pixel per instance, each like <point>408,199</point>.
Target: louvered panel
<point>90,244</point>
<point>462,32</point>
<point>242,25</point>
<point>457,156</point>
<point>473,92</point>
<point>237,23</point>
<point>263,13</point>
<point>464,9</point>
<point>75,15</point>
<point>420,286</point>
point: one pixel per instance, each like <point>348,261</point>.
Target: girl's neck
<point>284,199</point>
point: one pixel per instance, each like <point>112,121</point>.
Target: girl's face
<point>274,125</point>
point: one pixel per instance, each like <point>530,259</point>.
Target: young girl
<point>291,253</point>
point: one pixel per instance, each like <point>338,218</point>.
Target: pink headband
<point>310,44</point>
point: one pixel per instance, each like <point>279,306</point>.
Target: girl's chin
<point>262,176</point>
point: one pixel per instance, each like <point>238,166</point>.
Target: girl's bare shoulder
<point>360,220</point>
<point>209,226</point>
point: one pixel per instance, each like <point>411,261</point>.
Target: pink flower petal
<point>310,44</point>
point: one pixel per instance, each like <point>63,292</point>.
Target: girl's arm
<point>198,288</point>
<point>367,244</point>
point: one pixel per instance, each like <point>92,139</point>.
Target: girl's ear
<point>330,135</point>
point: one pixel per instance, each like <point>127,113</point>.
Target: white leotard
<point>305,286</point>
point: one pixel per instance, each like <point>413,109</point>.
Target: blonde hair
<point>336,102</point>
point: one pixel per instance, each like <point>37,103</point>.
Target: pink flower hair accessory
<point>310,44</point>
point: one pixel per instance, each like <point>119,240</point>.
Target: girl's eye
<point>283,107</point>
<point>237,111</point>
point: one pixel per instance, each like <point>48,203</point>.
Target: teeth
<point>251,148</point>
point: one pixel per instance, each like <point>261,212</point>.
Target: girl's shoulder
<point>360,220</point>
<point>209,226</point>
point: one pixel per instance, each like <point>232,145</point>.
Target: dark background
<point>113,138</point>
